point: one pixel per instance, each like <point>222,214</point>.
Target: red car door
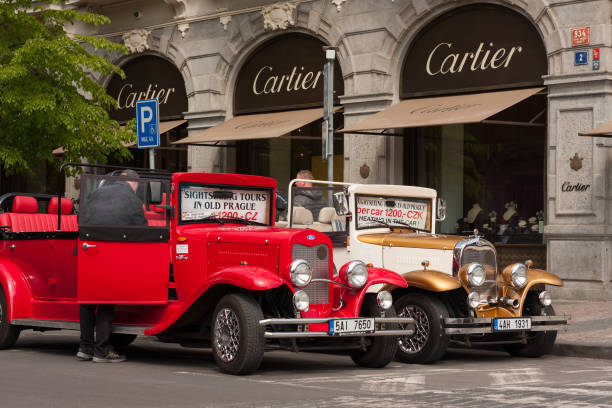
<point>124,262</point>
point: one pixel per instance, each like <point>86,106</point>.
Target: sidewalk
<point>590,329</point>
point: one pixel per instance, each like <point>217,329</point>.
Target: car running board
<point>69,325</point>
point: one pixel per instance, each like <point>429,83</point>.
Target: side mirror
<point>155,192</point>
<point>340,203</point>
<point>281,203</point>
<point>441,209</point>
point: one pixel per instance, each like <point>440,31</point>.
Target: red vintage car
<point>209,269</point>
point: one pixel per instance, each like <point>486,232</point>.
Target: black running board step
<point>70,325</point>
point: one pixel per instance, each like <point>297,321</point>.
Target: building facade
<point>521,174</point>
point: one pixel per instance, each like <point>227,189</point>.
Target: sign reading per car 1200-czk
<point>374,211</point>
<point>199,203</point>
<point>147,123</point>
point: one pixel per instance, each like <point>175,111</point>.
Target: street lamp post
<point>328,111</point>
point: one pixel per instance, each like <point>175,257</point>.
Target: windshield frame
<point>184,184</point>
<point>424,200</point>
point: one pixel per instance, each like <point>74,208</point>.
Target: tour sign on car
<point>207,268</point>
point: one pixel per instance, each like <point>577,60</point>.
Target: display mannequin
<point>473,213</point>
<point>510,211</point>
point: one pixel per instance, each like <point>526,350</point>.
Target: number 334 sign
<point>580,36</point>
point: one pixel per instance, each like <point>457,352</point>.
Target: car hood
<point>411,240</point>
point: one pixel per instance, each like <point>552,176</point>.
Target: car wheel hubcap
<point>415,343</point>
<point>227,335</point>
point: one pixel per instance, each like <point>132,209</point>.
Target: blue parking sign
<point>581,57</point>
<point>147,123</point>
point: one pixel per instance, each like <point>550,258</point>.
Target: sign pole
<point>328,111</point>
<point>147,127</point>
<point>152,158</point>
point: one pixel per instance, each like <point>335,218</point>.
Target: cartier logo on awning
<point>475,48</point>
<point>261,124</point>
<point>444,108</point>
<point>284,73</point>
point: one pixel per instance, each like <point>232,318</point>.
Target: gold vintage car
<point>456,291</point>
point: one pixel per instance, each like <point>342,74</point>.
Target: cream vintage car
<point>457,293</point>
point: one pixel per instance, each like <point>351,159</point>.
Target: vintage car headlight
<point>301,301</point>
<point>357,274</point>
<point>474,299</point>
<point>476,274</point>
<point>384,299</point>
<point>301,273</point>
<point>545,298</point>
<point>518,275</point>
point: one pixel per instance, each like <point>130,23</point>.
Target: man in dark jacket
<point>113,204</point>
<point>310,199</point>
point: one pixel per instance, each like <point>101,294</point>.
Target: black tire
<point>538,343</point>
<point>121,340</point>
<point>237,315</point>
<point>382,348</point>
<point>429,342</point>
<point>8,332</point>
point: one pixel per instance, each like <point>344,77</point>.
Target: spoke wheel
<point>227,334</point>
<point>538,343</point>
<point>429,342</point>
<point>8,332</point>
<point>237,338</point>
<point>416,342</point>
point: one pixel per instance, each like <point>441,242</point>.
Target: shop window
<point>491,174</point>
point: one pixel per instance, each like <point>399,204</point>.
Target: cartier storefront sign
<point>284,73</point>
<point>474,48</point>
<point>148,77</point>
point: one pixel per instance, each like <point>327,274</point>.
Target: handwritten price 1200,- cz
<point>391,212</point>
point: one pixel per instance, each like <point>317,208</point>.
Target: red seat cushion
<point>25,217</point>
<point>66,206</point>
<point>25,204</point>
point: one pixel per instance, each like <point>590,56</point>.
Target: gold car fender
<point>430,280</point>
<point>535,277</point>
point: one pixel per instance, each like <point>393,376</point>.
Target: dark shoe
<point>85,353</point>
<point>110,357</point>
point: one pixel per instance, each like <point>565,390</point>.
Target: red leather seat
<point>66,206</point>
<point>25,217</point>
<point>69,220</point>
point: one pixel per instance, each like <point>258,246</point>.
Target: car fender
<point>354,298</point>
<point>16,290</point>
<point>539,276</point>
<point>430,280</point>
<point>253,278</point>
<point>246,277</point>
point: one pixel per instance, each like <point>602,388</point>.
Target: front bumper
<point>302,327</point>
<point>484,325</point>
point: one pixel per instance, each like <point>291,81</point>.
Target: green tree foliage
<point>48,98</point>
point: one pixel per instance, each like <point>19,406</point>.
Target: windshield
<point>206,203</point>
<point>377,211</point>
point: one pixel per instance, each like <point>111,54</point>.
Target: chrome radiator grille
<point>484,255</point>
<point>318,258</point>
